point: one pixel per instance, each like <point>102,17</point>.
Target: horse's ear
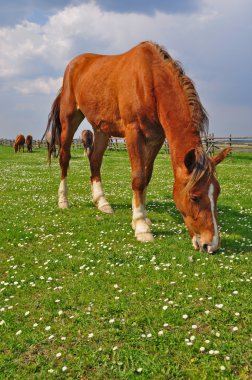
<point>220,157</point>
<point>190,160</point>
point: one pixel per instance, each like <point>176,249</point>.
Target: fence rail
<point>211,143</point>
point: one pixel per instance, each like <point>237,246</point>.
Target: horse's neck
<point>182,136</point>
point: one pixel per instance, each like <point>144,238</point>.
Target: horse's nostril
<point>205,246</point>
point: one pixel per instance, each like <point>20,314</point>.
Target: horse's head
<point>15,146</point>
<point>195,193</point>
<point>88,141</point>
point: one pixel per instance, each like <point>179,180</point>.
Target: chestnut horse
<point>51,144</point>
<point>29,143</point>
<point>87,139</point>
<point>144,96</point>
<point>19,143</point>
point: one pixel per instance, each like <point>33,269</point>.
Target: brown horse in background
<point>87,139</point>
<point>51,142</point>
<point>19,143</point>
<point>144,96</point>
<point>29,143</point>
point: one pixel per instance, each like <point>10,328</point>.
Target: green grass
<point>76,282</point>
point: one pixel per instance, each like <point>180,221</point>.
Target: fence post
<point>230,142</point>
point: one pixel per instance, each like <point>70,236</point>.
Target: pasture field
<point>80,298</point>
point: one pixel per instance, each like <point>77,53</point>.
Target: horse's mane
<point>198,113</point>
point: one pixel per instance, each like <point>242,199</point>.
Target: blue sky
<point>211,38</point>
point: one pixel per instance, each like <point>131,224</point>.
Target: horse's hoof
<point>148,221</point>
<point>107,209</point>
<point>63,204</point>
<point>144,236</point>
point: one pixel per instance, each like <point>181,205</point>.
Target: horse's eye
<point>195,198</point>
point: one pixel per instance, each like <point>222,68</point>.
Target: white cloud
<point>210,43</point>
<point>39,85</point>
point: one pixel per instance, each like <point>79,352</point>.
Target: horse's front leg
<point>136,150</point>
<point>95,160</point>
<point>70,120</point>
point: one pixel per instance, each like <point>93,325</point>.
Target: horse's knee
<point>139,182</point>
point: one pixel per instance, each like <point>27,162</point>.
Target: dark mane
<point>198,113</point>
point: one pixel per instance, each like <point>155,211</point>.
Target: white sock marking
<point>139,218</point>
<point>98,195</point>
<point>62,193</point>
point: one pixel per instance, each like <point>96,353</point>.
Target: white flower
<point>47,328</point>
<point>2,322</point>
<point>50,370</point>
<point>217,334</point>
<point>19,332</point>
<point>64,368</point>
<point>194,327</point>
<point>51,337</point>
<point>90,335</point>
<point>111,320</point>
<point>219,305</point>
<point>58,355</point>
<point>160,333</point>
<point>202,349</point>
<point>139,370</point>
<point>222,367</point>
<point>165,307</point>
<point>185,316</point>
<point>27,313</point>
<point>235,328</point>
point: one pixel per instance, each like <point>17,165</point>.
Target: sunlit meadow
<point>80,298</point>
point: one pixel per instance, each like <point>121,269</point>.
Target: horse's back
<point>112,90</point>
<point>20,139</point>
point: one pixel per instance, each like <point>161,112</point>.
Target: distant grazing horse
<point>87,139</point>
<point>144,96</point>
<point>51,142</point>
<point>19,143</point>
<point>29,143</point>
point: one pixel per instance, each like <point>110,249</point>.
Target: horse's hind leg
<point>95,160</point>
<point>69,124</point>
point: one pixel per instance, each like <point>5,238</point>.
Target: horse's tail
<point>54,126</point>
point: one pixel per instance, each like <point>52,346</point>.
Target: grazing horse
<point>29,143</point>
<point>19,143</point>
<point>144,96</point>
<point>87,139</point>
<point>51,143</point>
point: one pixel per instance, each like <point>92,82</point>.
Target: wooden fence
<point>211,143</point>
